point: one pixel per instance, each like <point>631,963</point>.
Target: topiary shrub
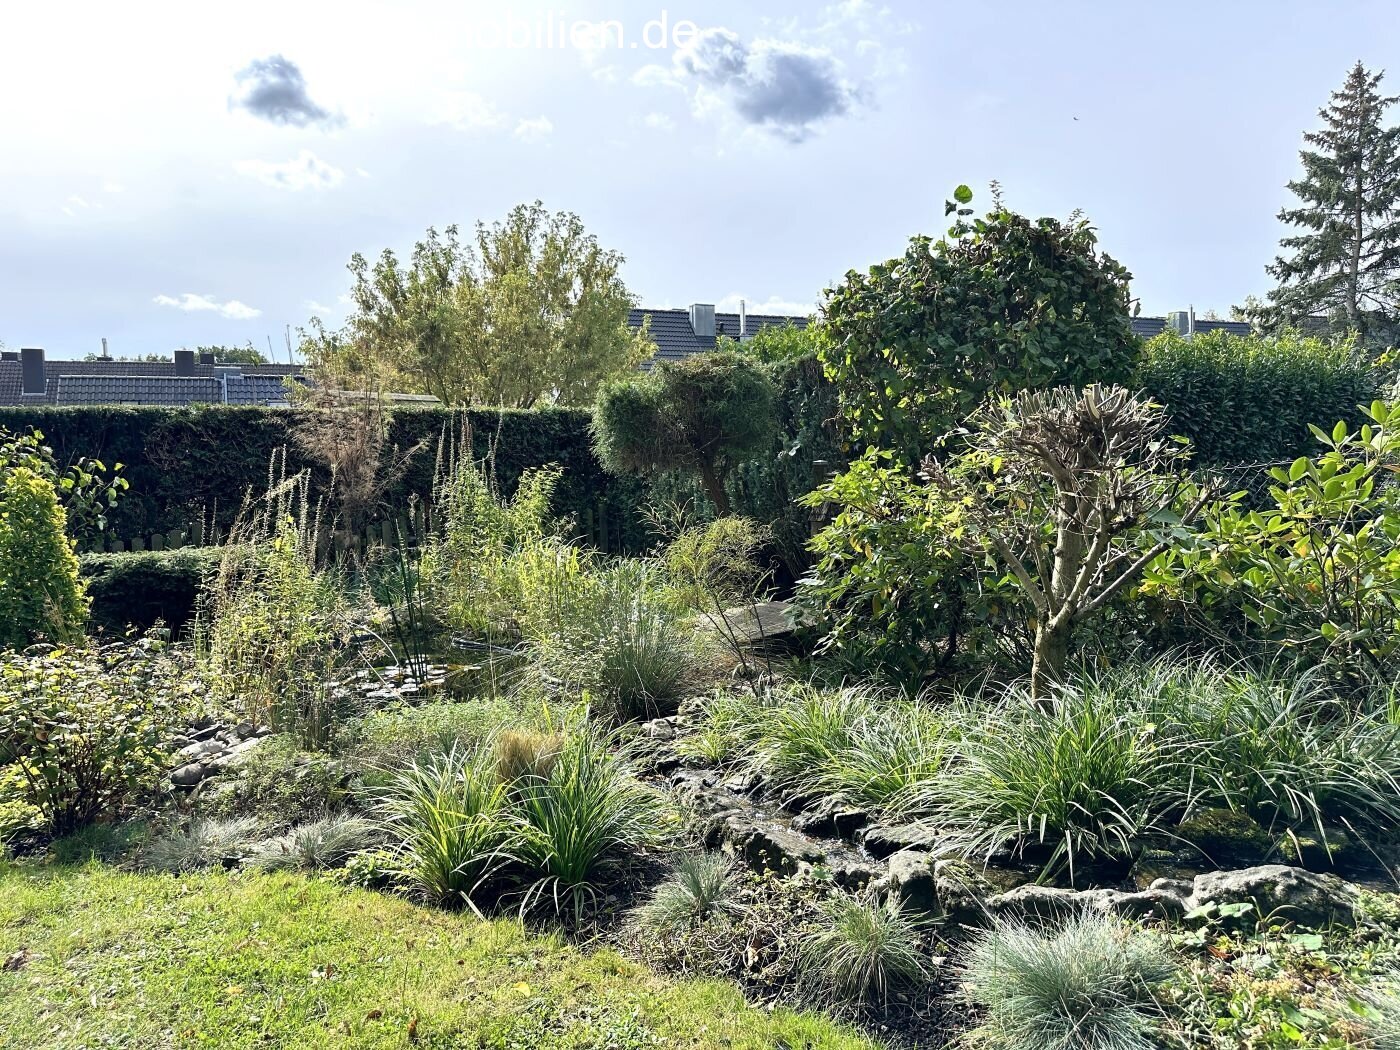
<point>41,596</point>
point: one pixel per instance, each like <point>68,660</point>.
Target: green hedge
<point>1249,399</point>
<point>137,590</point>
<point>187,464</point>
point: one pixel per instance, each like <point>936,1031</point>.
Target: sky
<point>182,174</point>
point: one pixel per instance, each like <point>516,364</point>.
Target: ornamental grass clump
<point>325,843</point>
<point>1088,985</point>
<point>702,887</point>
<point>860,949</point>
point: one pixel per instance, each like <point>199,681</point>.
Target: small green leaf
<point>963,194</point>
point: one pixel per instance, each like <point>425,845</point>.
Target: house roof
<point>675,339</point>
<point>138,390</point>
<point>1147,327</point>
<point>159,384</point>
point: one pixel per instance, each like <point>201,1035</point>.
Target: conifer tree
<point>1345,260</point>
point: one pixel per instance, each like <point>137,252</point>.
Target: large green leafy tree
<point>1002,303</point>
<point>1343,261</point>
<point>704,415</point>
<point>533,310</point>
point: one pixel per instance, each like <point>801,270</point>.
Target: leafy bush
<point>702,887</point>
<point>41,595</point>
<point>448,812</point>
<point>141,589</point>
<point>1317,573</point>
<point>396,736</point>
<point>1250,399</point>
<point>325,843</point>
<point>714,566</point>
<point>861,949</point>
<point>891,595</point>
<point>201,845</point>
<point>1002,303</point>
<point>87,491</point>
<point>1085,986</point>
<point>90,730</point>
<point>705,415</point>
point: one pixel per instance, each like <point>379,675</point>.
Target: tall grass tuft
<point>448,812</point>
<point>585,815</point>
<point>861,949</point>
<point>1076,781</point>
<point>1085,986</point>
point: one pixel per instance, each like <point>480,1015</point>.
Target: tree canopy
<point>705,414</point>
<point>1002,303</point>
<point>530,310</point>
<point>1344,259</point>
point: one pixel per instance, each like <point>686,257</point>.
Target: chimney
<point>33,383</point>
<point>743,319</point>
<point>206,357</point>
<point>105,356</point>
<point>9,355</point>
<point>1179,321</point>
<point>702,320</point>
<point>184,362</point>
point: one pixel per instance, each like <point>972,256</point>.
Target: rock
<point>1280,892</point>
<point>189,775</point>
<point>883,840</point>
<point>245,730</point>
<point>770,848</point>
<point>658,729</point>
<point>234,757</point>
<point>962,892</point>
<point>911,880</point>
<point>855,875</point>
<point>743,783</point>
<point>1166,900</point>
<point>831,816</point>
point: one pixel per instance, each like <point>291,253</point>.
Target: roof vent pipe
<point>743,319</point>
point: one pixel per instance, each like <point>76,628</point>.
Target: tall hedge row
<point>183,463</point>
<point>1249,399</point>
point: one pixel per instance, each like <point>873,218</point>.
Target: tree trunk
<point>1051,655</point>
<point>714,488</point>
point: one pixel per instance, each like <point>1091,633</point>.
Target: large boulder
<point>831,816</point>
<point>910,879</point>
<point>885,840</point>
<point>1280,892</point>
<point>1164,899</point>
<point>767,847</point>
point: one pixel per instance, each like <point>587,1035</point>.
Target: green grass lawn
<point>95,957</point>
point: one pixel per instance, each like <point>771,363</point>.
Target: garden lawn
<point>92,956</point>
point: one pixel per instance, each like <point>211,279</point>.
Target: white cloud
<point>305,171</point>
<point>465,111</point>
<point>535,129</point>
<point>771,305</point>
<point>659,122</point>
<point>320,308</point>
<point>192,303</point>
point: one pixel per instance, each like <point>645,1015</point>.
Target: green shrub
<point>140,589</point>
<point>861,949</point>
<point>41,595</point>
<point>190,464</point>
<point>1250,399</point>
<point>448,813</point>
<point>1002,303</point>
<point>1317,572</point>
<point>611,628</point>
<point>90,730</point>
<point>1085,986</point>
<point>280,783</point>
<point>397,736</point>
<point>714,566</point>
